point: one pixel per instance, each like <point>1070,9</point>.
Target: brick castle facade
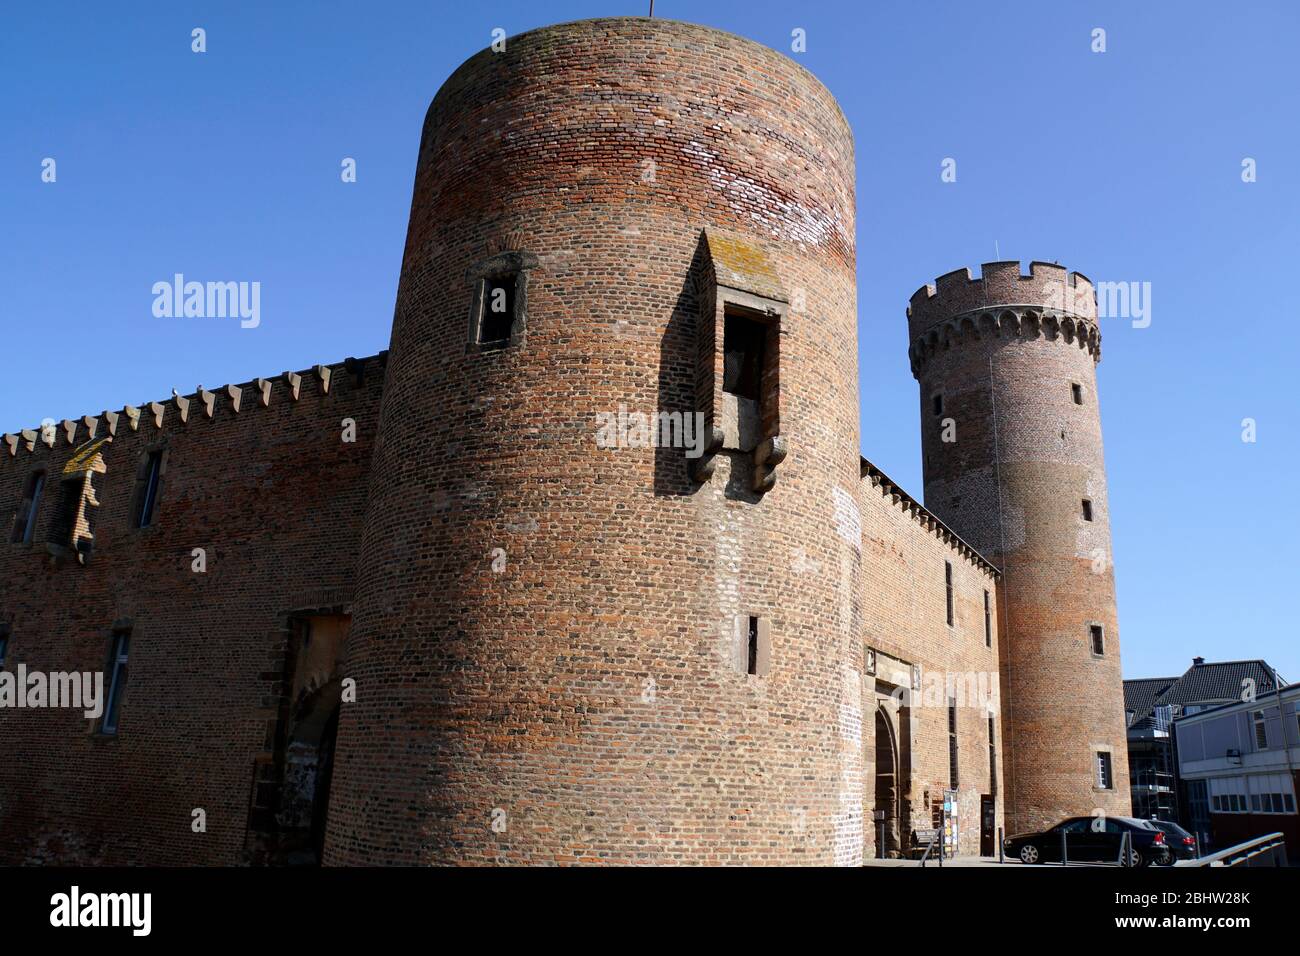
<point>412,609</point>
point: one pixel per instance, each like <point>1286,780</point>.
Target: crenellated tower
<point>1011,439</point>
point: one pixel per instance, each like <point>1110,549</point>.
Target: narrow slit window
<point>937,403</point>
<point>988,621</point>
<point>29,509</point>
<point>498,315</point>
<point>117,669</point>
<point>1087,509</point>
<point>1076,392</point>
<point>952,744</point>
<point>947,578</point>
<point>743,346</point>
<point>993,757</point>
<point>1097,635</point>
<point>751,647</point>
<point>4,647</point>
<point>149,490</point>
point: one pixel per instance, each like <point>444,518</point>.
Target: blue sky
<point>1124,165</point>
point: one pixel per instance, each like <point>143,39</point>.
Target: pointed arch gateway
<point>888,803</point>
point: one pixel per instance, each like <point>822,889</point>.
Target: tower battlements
<point>1047,285</point>
<point>1050,302</point>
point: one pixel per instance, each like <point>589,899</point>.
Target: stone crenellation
<point>201,404</point>
<point>411,609</point>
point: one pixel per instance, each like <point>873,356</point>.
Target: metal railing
<point>935,840</point>
<point>1262,851</point>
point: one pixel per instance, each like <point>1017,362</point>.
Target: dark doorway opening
<point>291,783</point>
<point>887,804</point>
<point>988,826</point>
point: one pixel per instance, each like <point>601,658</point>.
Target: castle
<point>407,609</point>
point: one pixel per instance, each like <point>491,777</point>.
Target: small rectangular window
<point>1076,392</point>
<point>743,342</point>
<point>116,680</point>
<point>947,578</point>
<point>1097,635</point>
<point>937,402</point>
<point>753,645</point>
<point>988,621</point>
<point>498,311</point>
<point>1104,777</point>
<point>28,509</point>
<point>149,490</point>
<point>1261,730</point>
<point>4,647</point>
<point>952,744</point>
<point>1087,509</point>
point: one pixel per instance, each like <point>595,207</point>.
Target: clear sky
<point>1125,165</point>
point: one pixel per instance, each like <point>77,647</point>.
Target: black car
<point>1091,840</point>
<point>1180,845</point>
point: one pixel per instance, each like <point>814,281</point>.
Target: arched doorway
<point>887,805</point>
<point>291,790</point>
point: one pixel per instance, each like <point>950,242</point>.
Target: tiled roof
<point>1218,682</point>
<point>1140,695</point>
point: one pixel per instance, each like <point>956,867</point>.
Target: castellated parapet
<point>746,645</point>
<point>1013,462</point>
<point>1048,302</point>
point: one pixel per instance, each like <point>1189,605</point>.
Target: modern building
<point>1240,764</point>
<point>587,567</point>
<point>1151,705</point>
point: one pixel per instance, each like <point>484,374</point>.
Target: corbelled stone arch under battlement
<point>1017,322</point>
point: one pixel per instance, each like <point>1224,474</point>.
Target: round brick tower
<point>1011,436</point>
<point>572,643</point>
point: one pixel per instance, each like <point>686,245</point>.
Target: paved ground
<point>975,861</point>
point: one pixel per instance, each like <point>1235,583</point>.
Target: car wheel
<point>1029,854</point>
<point>1136,859</point>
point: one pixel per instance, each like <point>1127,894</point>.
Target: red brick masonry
<point>549,639</point>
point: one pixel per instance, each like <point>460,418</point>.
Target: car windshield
<point>1138,824</point>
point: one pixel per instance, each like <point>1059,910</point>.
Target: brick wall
<point>547,636</point>
<point>275,498</point>
<point>904,602</point>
